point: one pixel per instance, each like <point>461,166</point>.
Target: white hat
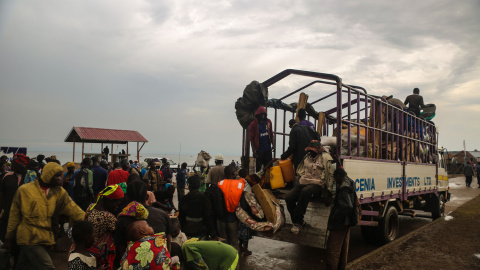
<point>219,157</point>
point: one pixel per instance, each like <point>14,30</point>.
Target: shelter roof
<point>103,135</point>
<point>476,154</point>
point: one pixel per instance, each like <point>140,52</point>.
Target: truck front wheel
<point>388,226</point>
<point>438,207</point>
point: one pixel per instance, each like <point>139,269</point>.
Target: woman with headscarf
<point>68,176</point>
<point>32,171</point>
<point>101,215</point>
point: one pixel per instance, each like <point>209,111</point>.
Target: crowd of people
<point>123,215</point>
<point>118,216</point>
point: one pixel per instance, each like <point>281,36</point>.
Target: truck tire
<point>439,206</point>
<point>388,226</point>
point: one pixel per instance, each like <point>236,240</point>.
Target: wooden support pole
<point>302,104</point>
<point>138,153</point>
<point>73,149</point>
<point>321,120</point>
<point>127,151</point>
<point>83,149</point>
<point>111,155</point>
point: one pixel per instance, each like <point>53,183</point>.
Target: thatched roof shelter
<point>460,156</point>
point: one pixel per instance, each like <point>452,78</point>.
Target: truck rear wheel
<point>388,226</point>
<point>439,207</point>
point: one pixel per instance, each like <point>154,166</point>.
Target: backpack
<point>217,200</point>
<point>80,185</point>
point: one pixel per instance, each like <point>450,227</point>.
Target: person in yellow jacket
<point>31,217</point>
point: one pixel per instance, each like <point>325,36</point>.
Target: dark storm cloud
<point>173,69</point>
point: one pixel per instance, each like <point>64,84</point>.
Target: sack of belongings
<point>395,101</point>
<point>203,159</point>
<point>429,111</point>
<point>254,96</point>
<point>251,213</point>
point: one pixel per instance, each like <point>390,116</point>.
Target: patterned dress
<point>149,252</point>
<point>77,261</point>
<point>104,224</point>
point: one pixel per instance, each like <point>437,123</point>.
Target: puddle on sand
<point>477,255</point>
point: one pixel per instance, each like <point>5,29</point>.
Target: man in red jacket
<point>261,138</point>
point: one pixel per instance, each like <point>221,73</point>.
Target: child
<point>80,259</point>
<point>146,250</point>
<point>244,232</point>
<point>179,237</point>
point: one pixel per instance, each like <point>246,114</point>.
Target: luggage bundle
<point>254,95</point>
<point>203,159</point>
<point>267,213</point>
<point>429,111</point>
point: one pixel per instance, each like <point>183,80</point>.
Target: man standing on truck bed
<point>261,138</point>
<point>300,137</point>
<point>415,102</point>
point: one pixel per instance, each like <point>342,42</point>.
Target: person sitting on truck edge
<point>261,138</point>
<point>302,115</point>
<point>339,221</point>
<point>415,102</point>
<point>316,174</point>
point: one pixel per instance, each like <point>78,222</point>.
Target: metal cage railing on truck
<point>390,133</point>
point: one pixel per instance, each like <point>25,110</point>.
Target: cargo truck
<point>391,154</point>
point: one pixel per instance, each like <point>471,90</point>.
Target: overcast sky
<point>173,69</point>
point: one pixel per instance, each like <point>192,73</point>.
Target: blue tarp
<point>13,150</point>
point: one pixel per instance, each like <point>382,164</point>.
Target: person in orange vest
<point>232,192</point>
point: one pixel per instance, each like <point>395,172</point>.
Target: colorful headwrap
<point>135,210</point>
<point>314,145</point>
<point>193,239</point>
<point>21,159</point>
<point>70,164</point>
<point>110,192</point>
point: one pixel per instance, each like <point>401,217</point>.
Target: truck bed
<point>313,234</point>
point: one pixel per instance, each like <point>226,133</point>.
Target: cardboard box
<point>265,197</point>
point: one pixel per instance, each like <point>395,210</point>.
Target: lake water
<point>189,158</point>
